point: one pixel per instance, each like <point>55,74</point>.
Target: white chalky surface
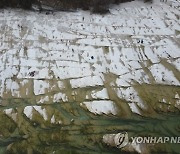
<point>43,56</point>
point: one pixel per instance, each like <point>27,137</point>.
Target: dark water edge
<point>85,135</point>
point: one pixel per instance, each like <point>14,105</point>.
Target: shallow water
<point>83,134</point>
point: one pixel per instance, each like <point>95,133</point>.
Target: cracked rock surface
<point>68,78</point>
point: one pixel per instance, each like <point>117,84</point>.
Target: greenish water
<point>83,134</point>
<point>81,131</point>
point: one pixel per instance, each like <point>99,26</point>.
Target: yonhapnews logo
<point>122,139</point>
